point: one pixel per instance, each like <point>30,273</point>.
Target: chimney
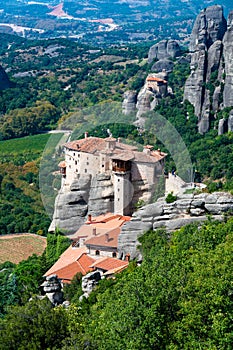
<point>127,257</point>
<point>147,149</point>
<point>106,237</point>
<point>159,150</point>
<point>94,231</point>
<point>86,134</point>
<point>89,218</point>
<point>119,139</point>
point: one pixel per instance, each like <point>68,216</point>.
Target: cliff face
<point>85,195</point>
<point>228,60</point>
<point>211,77</point>
<point>188,208</point>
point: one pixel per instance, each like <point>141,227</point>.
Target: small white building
<point>124,163</point>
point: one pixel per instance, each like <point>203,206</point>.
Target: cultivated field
<point>16,248</point>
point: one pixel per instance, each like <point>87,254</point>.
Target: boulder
<point>53,289</point>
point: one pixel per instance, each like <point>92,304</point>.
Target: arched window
<point>97,252</point>
<point>114,254</point>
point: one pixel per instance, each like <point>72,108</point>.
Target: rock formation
<point>211,48</point>
<point>163,64</point>
<point>129,102</point>
<point>154,89</point>
<point>188,208</point>
<point>53,289</point>
<point>222,126</point>
<point>89,282</point>
<point>228,61</point>
<point>230,121</point>
<point>4,80</point>
<point>164,49</point>
<point>86,194</point>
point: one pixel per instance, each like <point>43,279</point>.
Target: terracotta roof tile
<point>69,256</point>
<point>62,164</point>
<point>109,239</point>
<point>88,145</point>
<point>159,80</point>
<point>107,264</point>
<point>97,144</point>
<point>102,224</point>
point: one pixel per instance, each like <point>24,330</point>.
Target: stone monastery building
<point>131,171</point>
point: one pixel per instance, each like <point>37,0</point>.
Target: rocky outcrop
<point>163,64</point>
<point>85,195</point>
<point>4,80</point>
<point>150,95</point>
<point>53,290</point>
<point>186,209</point>
<point>71,206</point>
<point>89,282</point>
<point>129,102</point>
<point>228,54</point>
<point>207,47</point>
<point>230,122</point>
<point>163,50</point>
<point>101,195</point>
<point>222,126</point>
<point>210,25</point>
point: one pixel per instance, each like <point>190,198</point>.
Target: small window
<point>79,155</point>
<point>97,252</point>
<point>70,166</point>
<point>102,165</point>
<point>76,162</point>
<point>74,154</point>
<point>85,170</point>
<point>114,254</point>
<point>118,180</point>
<point>87,163</point>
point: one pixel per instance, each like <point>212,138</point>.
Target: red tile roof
<point>67,273</point>
<point>97,144</point>
<point>107,264</point>
<point>72,261</point>
<point>109,239</point>
<point>159,80</point>
<point>62,164</point>
<point>102,224</point>
<point>88,144</point>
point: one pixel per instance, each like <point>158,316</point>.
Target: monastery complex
<point>124,163</point>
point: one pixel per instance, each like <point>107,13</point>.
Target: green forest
<point>180,297</point>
